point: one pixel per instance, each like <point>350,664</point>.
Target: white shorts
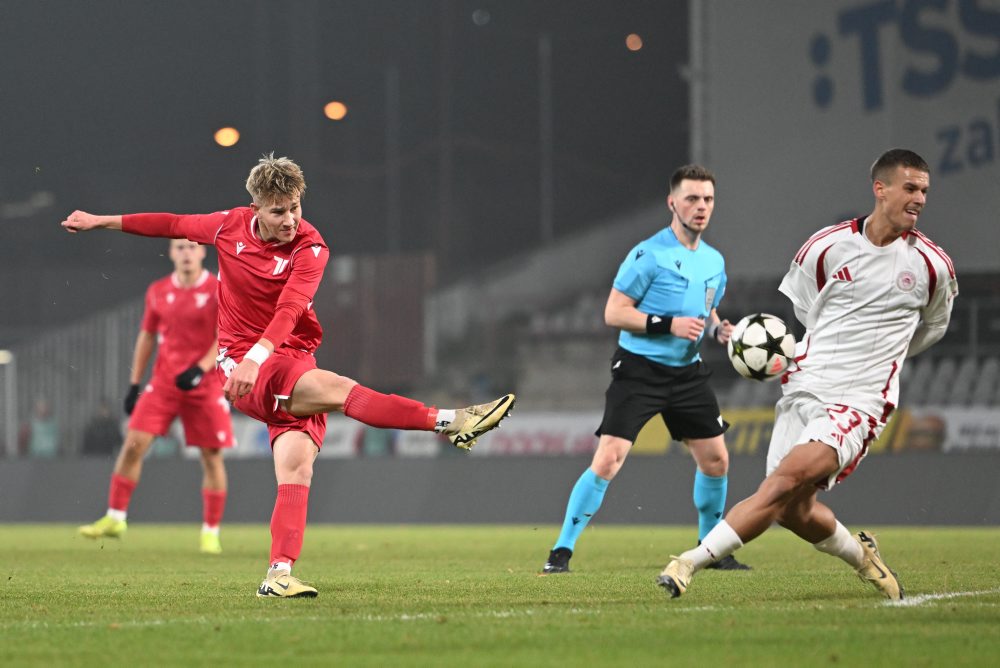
<point>800,418</point>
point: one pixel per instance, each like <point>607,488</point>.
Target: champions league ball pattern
<point>761,347</point>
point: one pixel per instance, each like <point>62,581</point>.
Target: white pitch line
<point>921,599</point>
<point>400,617</point>
<point>913,601</point>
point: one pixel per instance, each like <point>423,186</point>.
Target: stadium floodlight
<point>335,110</point>
<point>227,136</point>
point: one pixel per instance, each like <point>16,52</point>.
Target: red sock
<point>121,492</point>
<point>288,522</point>
<point>388,411</point>
<point>213,504</point>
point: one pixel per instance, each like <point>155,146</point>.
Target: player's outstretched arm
<point>81,221</point>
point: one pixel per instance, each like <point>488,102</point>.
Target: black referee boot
<point>728,563</point>
<point>558,561</point>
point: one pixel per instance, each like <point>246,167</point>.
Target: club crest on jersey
<point>200,299</point>
<point>906,281</point>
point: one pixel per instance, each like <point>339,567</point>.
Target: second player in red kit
<point>179,321</point>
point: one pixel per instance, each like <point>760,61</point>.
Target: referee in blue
<point>664,301</point>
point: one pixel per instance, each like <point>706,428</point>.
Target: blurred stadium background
<point>479,170</point>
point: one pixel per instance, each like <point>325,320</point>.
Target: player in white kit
<point>871,292</point>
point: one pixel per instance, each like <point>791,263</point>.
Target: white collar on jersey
<point>176,282</point>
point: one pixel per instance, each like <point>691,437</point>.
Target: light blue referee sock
<point>710,500</point>
<point>584,501</point>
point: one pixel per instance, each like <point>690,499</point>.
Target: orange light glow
<point>633,42</point>
<point>335,111</point>
<point>227,136</point>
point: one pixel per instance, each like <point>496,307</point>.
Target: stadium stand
<point>915,379</point>
<point>939,391</point>
<point>986,391</point>
<point>965,378</point>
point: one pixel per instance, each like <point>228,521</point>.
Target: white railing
<point>73,368</point>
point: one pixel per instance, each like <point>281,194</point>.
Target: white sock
<point>280,566</point>
<point>842,544</point>
<point>207,529</point>
<point>720,542</point>
<point>117,514</point>
<point>445,417</point>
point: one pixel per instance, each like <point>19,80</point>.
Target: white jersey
<point>866,308</point>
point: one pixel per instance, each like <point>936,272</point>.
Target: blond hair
<point>275,178</point>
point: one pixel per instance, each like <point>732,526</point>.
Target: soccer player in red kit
<point>180,320</point>
<point>271,262</point>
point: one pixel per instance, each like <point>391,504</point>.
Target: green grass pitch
<point>471,596</point>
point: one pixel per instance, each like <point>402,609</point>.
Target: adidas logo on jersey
<point>843,275</point>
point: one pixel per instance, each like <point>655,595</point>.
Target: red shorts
<point>275,382</point>
<point>203,411</point>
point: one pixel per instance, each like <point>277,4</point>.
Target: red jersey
<point>255,277</point>
<point>183,320</point>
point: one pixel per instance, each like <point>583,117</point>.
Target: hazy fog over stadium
<point>111,106</point>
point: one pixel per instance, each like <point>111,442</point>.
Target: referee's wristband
<point>258,354</point>
<point>658,324</point>
<point>713,331</point>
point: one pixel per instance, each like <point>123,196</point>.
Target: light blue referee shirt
<point>665,278</point>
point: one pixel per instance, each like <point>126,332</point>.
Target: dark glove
<point>131,398</point>
<point>189,379</point>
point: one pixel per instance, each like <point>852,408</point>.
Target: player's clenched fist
<point>687,328</point>
<point>81,221</point>
<point>241,380</point>
<point>724,332</point>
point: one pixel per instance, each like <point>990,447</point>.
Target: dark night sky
<point>111,105</point>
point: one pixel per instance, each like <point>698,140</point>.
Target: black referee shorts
<point>641,388</point>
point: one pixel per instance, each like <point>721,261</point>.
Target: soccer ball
<point>761,347</point>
